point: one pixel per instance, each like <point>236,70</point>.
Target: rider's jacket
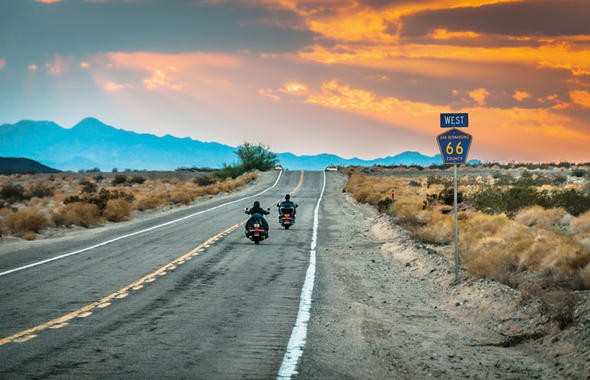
<point>257,210</point>
<point>287,204</point>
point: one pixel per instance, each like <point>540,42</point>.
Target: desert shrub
<point>137,179</point>
<point>39,190</point>
<point>79,214</point>
<point>119,180</point>
<point>203,180</point>
<point>88,187</point>
<point>13,193</point>
<point>256,156</point>
<point>539,216</point>
<point>581,224</point>
<point>181,197</point>
<point>578,172</point>
<point>571,200</point>
<point>117,210</point>
<point>438,180</point>
<point>152,201</point>
<point>25,222</point>
<point>438,229</point>
<point>228,171</point>
<point>101,198</point>
<point>414,183</point>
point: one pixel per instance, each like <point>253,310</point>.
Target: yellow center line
<point>299,184</point>
<point>84,310</point>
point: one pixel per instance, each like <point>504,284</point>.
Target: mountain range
<point>93,144</point>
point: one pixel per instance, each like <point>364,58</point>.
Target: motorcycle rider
<point>287,204</point>
<point>256,209</point>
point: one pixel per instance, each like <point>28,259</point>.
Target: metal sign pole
<point>456,225</point>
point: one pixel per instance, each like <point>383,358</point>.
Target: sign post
<point>454,148</point>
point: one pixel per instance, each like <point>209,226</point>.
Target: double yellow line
<point>85,311</point>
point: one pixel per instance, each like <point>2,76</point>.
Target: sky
<point>356,78</point>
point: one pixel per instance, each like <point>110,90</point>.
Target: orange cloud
<point>173,71</point>
<point>2,64</point>
<point>519,96</point>
<point>479,95</point>
<point>32,68</point>
<point>443,34</point>
<point>294,88</point>
<point>158,80</point>
<point>48,1</point>
<point>497,132</point>
<point>557,56</point>
<point>581,98</point>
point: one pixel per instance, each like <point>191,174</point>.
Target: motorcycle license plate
<point>256,225</point>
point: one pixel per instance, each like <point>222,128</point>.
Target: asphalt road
<point>189,299</point>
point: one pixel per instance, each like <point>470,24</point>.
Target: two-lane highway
<point>182,296</point>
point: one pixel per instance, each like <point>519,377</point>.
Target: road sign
<point>454,120</point>
<point>454,146</point>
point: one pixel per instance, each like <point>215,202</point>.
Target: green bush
<point>256,157</point>
<point>229,172</point>
<point>493,200</point>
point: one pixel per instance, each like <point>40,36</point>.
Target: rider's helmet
<point>256,204</point>
<point>287,197</point>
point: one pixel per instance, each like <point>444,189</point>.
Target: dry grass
<point>79,214</point>
<point>540,217</point>
<point>26,222</point>
<point>549,242</point>
<point>117,210</point>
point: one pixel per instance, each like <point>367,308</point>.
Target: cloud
<point>581,98</point>
<point>176,72</point>
<point>2,64</point>
<point>519,96</point>
<point>479,95</point>
<point>159,80</point>
<point>32,68</point>
<point>57,67</point>
<point>48,1</point>
<point>85,65</point>
<point>114,86</point>
<point>497,132</point>
<point>269,93</point>
<point>518,18</point>
<point>444,34</point>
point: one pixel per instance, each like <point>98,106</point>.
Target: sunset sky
<point>355,78</point>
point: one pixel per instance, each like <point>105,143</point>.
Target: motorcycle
<point>256,229</point>
<point>286,216</point>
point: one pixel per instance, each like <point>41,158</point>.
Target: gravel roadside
<point>384,307</point>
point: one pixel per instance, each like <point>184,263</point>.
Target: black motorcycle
<point>256,228</point>
<point>286,216</point>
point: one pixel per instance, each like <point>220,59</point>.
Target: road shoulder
<point>385,308</point>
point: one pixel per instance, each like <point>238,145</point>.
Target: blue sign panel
<point>454,146</point>
<point>454,120</point>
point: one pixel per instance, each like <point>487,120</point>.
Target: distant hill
<point>92,144</point>
<point>13,165</point>
<point>320,161</point>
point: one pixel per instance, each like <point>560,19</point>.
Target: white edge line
<point>299,333</point>
<point>136,232</point>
